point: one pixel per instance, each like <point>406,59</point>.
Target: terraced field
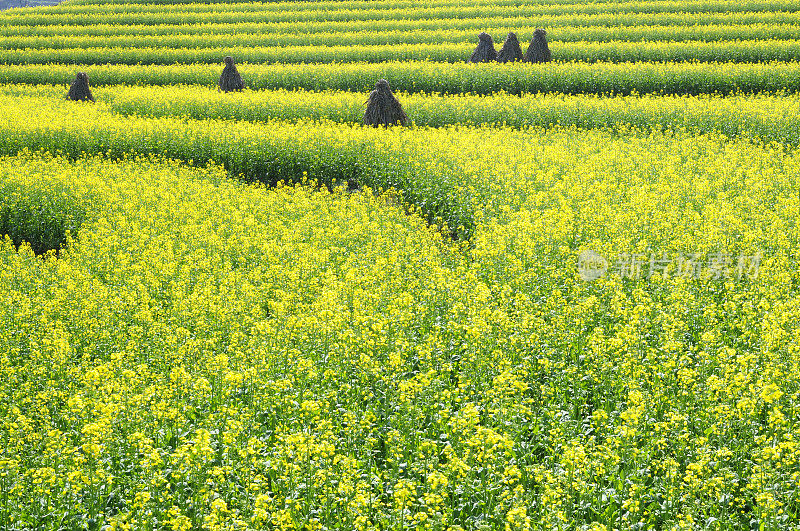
<point>564,297</point>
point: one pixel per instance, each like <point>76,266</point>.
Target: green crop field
<point>565,296</point>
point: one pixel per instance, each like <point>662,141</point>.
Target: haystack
<point>538,51</point>
<point>230,79</point>
<point>484,52</point>
<point>79,90</point>
<point>511,50</point>
<point>383,107</point>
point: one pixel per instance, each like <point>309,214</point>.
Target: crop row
<point>391,8</point>
<point>255,152</point>
<point>331,5</point>
<point>711,26</point>
<point>276,12</point>
<point>618,52</point>
<point>298,6</point>
<point>767,118</point>
<point>447,78</point>
<point>760,117</point>
<point>757,34</point>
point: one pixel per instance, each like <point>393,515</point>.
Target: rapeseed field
<point>565,297</point>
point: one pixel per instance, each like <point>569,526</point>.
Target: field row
<point>394,7</point>
<point>267,152</point>
<point>445,78</point>
<point>561,38</point>
<point>618,52</point>
<point>298,6</point>
<point>220,355</point>
<point>762,117</point>
<point>570,27</point>
<point>693,11</point>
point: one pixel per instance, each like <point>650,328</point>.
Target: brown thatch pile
<point>230,79</point>
<point>484,52</point>
<point>511,50</point>
<point>538,51</point>
<point>79,90</point>
<point>383,107</point>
